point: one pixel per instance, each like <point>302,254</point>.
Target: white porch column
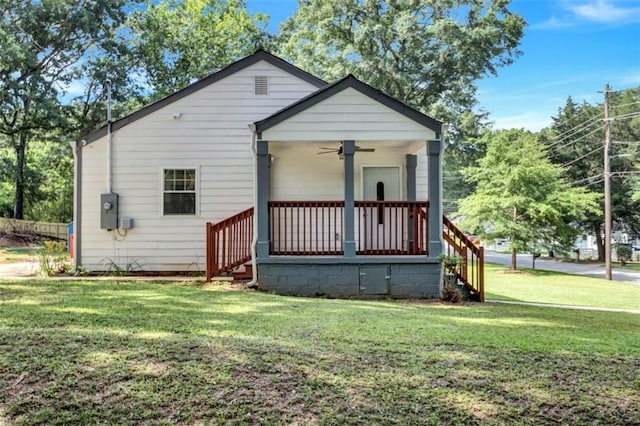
<point>434,156</point>
<point>262,207</point>
<point>348,150</point>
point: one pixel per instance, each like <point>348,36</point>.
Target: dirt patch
<point>19,240</point>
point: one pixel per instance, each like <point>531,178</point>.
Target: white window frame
<point>196,191</point>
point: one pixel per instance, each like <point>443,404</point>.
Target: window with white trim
<point>179,192</point>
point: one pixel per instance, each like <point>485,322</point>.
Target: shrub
<point>625,254</point>
<point>52,257</point>
<point>450,293</point>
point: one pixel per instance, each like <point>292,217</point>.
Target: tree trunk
<point>599,241</point>
<point>20,148</point>
<point>513,257</point>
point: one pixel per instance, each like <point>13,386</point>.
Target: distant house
<point>324,189</point>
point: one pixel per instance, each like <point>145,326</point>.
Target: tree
<point>44,45</point>
<point>521,195</point>
<point>426,54</point>
<point>178,41</point>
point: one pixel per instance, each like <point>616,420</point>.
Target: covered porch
<point>348,198</point>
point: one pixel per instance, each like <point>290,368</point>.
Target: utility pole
<point>607,186</point>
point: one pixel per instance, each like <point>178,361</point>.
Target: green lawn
<point>556,288</point>
<point>105,352</point>
<point>632,265</point>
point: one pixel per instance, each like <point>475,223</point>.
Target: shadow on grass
<point>107,353</point>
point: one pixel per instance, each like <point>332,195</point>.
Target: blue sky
<point>570,48</point>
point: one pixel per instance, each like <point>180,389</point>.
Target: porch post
<point>262,209</point>
<point>411,163</point>
<point>434,152</point>
<point>348,150</point>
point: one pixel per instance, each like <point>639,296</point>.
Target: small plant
<point>625,254</point>
<point>450,291</point>
<point>112,268</point>
<point>52,258</point>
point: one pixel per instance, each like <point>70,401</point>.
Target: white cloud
<point>552,23</point>
<point>607,12</point>
<point>572,13</point>
<point>630,79</point>
<point>528,121</point>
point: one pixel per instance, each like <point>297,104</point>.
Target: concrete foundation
<point>357,277</point>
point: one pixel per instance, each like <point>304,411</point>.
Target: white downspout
<point>107,86</point>
<point>254,240</point>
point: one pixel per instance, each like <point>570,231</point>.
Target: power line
<point>624,105</point>
<point>582,126</point>
<point>625,116</point>
<point>576,140</point>
<point>600,177</point>
<point>580,158</point>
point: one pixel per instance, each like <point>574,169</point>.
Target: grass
<point>83,352</point>
<point>557,288</point>
<point>632,265</point>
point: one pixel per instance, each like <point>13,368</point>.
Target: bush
<point>450,293</point>
<point>625,253</point>
<point>52,257</point>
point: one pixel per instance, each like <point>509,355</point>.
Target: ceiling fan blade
<point>366,149</point>
<point>327,152</point>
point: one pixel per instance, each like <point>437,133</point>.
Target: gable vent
<point>261,85</point>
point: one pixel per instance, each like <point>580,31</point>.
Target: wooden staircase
<point>471,270</point>
<point>229,243</point>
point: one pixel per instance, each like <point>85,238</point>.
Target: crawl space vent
<point>261,85</point>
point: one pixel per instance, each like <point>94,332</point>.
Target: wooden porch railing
<point>392,227</point>
<point>306,228</point>
<point>315,228</point>
<point>229,243</point>
<point>471,271</point>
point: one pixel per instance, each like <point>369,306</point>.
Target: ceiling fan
<point>326,150</point>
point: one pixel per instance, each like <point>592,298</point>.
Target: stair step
<point>244,272</point>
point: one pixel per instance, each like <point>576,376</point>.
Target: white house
<point>324,188</point>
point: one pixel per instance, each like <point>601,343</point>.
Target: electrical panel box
<point>126,223</point>
<point>108,211</point>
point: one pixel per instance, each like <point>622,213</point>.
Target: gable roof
<point>348,82</point>
<point>259,55</point>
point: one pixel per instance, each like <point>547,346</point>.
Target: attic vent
<point>261,85</point>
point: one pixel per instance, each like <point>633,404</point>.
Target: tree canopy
<point>44,44</point>
<point>522,196</point>
<point>178,41</point>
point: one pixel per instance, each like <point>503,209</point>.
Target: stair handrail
<point>229,243</point>
<point>471,270</point>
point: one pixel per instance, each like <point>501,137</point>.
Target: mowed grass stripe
<point>537,286</point>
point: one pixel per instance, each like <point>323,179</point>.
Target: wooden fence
<point>45,229</point>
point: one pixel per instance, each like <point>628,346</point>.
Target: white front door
<point>378,224</point>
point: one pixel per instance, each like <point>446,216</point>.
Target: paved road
<point>597,271</point>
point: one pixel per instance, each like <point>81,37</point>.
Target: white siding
<point>211,135</point>
<point>348,115</point>
<point>422,174</point>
